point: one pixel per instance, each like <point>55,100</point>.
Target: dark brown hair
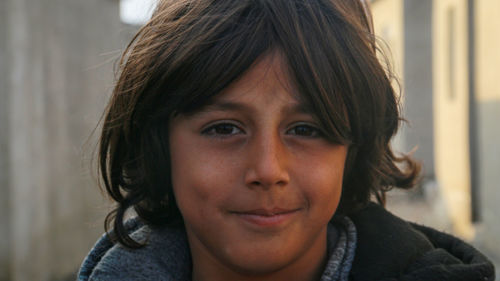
<point>192,49</point>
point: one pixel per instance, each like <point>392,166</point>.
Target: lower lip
<point>267,221</point>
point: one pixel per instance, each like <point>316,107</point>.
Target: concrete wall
<point>487,36</point>
<point>419,132</point>
<point>451,110</point>
<point>4,168</point>
<point>56,72</point>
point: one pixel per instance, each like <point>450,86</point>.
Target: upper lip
<point>266,212</point>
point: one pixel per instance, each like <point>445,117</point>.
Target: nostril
<point>256,183</point>
<point>281,183</point>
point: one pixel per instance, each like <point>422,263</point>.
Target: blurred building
<point>446,54</point>
<point>56,74</point>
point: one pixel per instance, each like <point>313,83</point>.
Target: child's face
<point>254,179</point>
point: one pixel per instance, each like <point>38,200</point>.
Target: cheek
<point>325,188</point>
<point>186,173</point>
<point>321,178</point>
<point>189,180</point>
<point>200,179</point>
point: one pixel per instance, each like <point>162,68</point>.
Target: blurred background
<point>57,62</point>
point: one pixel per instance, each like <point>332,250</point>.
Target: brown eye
<point>304,131</point>
<point>222,129</point>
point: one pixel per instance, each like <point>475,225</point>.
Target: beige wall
<point>487,50</point>
<point>388,25</point>
<point>451,109</point>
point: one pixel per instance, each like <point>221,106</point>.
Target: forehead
<point>266,81</point>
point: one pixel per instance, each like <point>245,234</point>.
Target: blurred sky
<point>136,12</point>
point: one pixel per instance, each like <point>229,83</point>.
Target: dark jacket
<point>389,249</point>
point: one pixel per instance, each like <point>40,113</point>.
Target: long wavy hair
<point>192,49</point>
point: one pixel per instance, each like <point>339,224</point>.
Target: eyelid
<point>212,125</point>
<point>316,128</point>
<point>304,123</point>
<point>219,122</point>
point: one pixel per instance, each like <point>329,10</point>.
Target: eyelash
<point>212,130</point>
<point>315,132</point>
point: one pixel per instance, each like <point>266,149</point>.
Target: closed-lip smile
<point>262,217</point>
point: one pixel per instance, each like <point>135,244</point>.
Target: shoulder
<point>389,248</point>
<point>164,256</point>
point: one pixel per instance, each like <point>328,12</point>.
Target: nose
<point>267,163</point>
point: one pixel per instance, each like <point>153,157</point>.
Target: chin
<point>264,265</point>
<point>262,260</point>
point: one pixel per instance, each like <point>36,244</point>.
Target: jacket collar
<point>390,248</point>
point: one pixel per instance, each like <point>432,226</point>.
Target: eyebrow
<point>298,107</point>
<point>225,106</point>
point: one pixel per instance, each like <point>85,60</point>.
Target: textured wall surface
<point>418,82</point>
<point>4,125</point>
<point>451,110</point>
<point>489,173</point>
<point>56,71</point>
<point>487,36</point>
